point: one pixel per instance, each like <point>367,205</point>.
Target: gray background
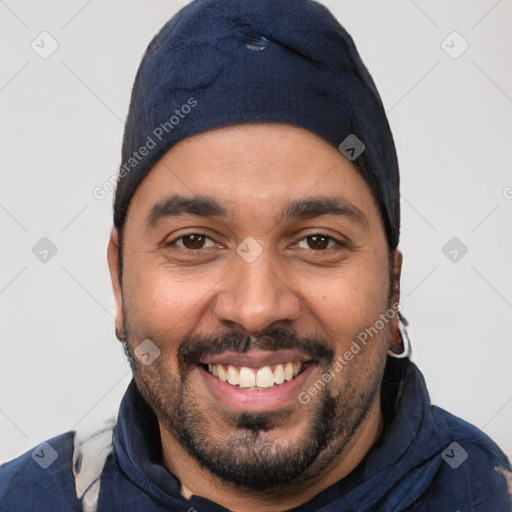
<point>61,127</point>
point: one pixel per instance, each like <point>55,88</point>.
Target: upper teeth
<point>264,377</point>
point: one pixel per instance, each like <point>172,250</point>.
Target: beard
<point>247,449</point>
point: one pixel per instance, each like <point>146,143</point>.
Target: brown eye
<point>318,242</point>
<point>193,241</point>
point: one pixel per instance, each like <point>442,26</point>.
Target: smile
<point>256,378</point>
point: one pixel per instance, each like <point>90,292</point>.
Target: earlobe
<point>404,340</point>
<point>113,265</point>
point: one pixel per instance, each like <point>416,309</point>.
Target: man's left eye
<point>319,242</point>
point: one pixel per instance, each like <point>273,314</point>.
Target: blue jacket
<point>426,460</point>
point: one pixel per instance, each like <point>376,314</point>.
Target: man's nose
<point>254,295</point>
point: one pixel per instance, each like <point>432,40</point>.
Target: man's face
<point>254,256</point>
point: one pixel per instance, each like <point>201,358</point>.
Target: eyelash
<point>338,243</point>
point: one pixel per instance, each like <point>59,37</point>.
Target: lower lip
<point>255,400</point>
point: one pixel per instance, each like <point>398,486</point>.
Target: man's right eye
<point>192,241</point>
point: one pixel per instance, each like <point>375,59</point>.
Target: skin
<point>170,293</point>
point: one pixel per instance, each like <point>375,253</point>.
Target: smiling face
<point>254,256</point>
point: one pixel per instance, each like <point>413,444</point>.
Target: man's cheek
<point>332,381</point>
<point>348,316</point>
<point>158,302</point>
<point>161,372</point>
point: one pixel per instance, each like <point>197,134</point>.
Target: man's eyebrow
<point>316,206</point>
<point>178,205</point>
<point>204,206</point>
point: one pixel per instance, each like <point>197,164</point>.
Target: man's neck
<point>196,480</point>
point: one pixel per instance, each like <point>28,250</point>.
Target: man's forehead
<point>290,173</point>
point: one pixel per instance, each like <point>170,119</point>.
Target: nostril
<point>257,43</point>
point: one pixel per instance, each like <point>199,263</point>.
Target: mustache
<point>194,348</point>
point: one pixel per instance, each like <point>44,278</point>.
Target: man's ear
<point>396,341</point>
<point>397,272</point>
<point>113,265</point>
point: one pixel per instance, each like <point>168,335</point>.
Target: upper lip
<point>256,358</point>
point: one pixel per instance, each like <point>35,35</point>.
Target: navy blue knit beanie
<point>225,62</point>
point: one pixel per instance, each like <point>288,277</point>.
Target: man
<point>256,273</point>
